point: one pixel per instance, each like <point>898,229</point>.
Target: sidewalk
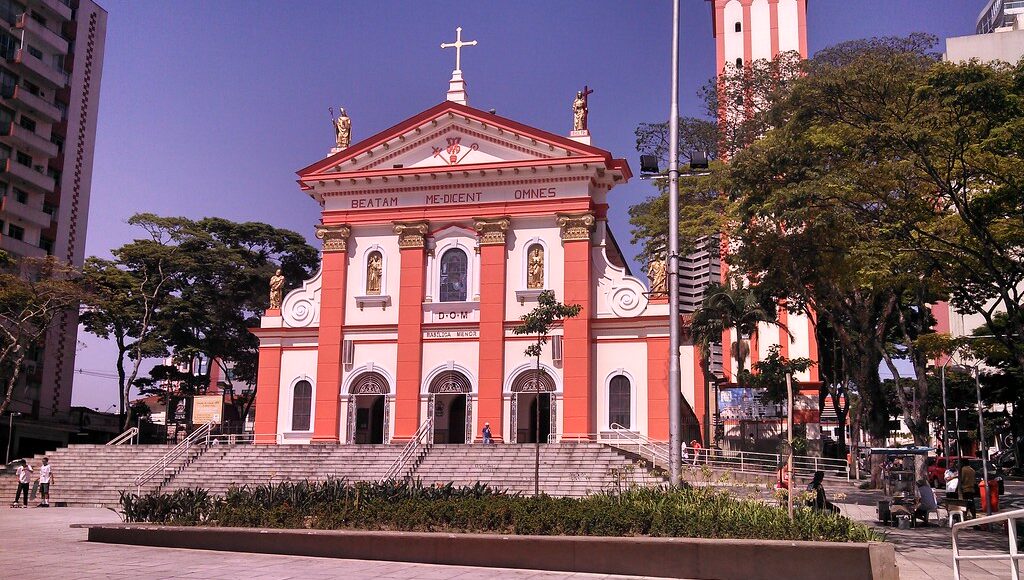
<point>38,544</point>
<point>927,553</point>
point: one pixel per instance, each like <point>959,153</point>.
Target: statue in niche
<point>535,268</point>
<point>657,274</point>
<point>374,273</point>
<point>342,129</point>
<point>276,289</point>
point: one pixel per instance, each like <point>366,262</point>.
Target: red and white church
<point>438,234</point>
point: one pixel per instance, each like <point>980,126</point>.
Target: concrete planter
<point>664,557</point>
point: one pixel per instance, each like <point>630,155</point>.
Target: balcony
<point>20,248</point>
<point>23,100</point>
<point>61,8</point>
<point>12,207</point>
<point>38,181</point>
<point>39,69</point>
<point>51,39</point>
<point>28,141</point>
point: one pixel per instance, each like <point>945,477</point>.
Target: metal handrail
<point>752,461</point>
<point>410,449</point>
<point>655,452</point>
<point>1010,518</point>
<point>202,433</point>
<point>126,436</point>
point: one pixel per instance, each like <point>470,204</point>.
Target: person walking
<point>24,474</point>
<point>696,446</point>
<point>45,480</point>
<point>968,487</point>
<point>488,440</point>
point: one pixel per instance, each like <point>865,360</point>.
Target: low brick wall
<point>664,557</point>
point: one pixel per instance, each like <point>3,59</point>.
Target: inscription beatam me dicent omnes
<point>459,198</point>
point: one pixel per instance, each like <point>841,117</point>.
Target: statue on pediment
<point>342,129</point>
<point>581,109</point>
<point>276,290</point>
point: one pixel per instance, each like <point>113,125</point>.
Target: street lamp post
<point>675,393</point>
<point>981,440</point>
<point>945,411</point>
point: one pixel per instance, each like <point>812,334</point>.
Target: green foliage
<point>34,294</point>
<point>771,374</point>
<point>401,506</point>
<point>540,320</point>
<point>732,306</point>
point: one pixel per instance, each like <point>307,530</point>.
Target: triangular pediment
<point>448,136</point>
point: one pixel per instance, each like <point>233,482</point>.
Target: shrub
<point>401,506</point>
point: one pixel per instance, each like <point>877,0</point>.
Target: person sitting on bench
<point>926,502</point>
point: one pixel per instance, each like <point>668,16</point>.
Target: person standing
<point>45,479</point>
<point>952,479</point>
<point>24,473</point>
<point>696,450</point>
<point>488,440</point>
<point>684,453</point>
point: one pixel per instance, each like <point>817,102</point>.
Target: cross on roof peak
<point>458,44</point>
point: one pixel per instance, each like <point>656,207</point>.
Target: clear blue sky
<point>208,108</point>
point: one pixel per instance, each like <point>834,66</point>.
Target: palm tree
<point>729,307</point>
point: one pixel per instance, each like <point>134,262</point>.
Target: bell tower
<point>748,30</point>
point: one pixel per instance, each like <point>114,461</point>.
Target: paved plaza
<point>39,543</point>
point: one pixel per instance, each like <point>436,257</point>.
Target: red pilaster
<point>801,19</point>
<point>412,246</point>
<point>773,19</point>
<point>268,390</point>
<point>493,258</point>
<point>657,389</point>
<point>719,37</point>
<point>334,272</point>
<point>748,39</point>
<point>578,385</point>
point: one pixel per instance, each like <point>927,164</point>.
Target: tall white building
<point>51,57</point>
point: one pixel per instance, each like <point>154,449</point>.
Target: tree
<point>732,306</point>
<point>129,292</point>
<point>33,291</point>
<point>539,322</point>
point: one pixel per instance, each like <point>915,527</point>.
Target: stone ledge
<point>663,557</point>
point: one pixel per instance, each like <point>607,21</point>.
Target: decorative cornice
<point>575,226</point>
<point>491,230</point>
<point>411,234</point>
<point>335,237</point>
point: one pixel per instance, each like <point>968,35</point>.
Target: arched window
<point>454,269</point>
<point>374,273</point>
<point>739,27</point>
<point>739,63</point>
<point>619,404</point>
<point>302,400</point>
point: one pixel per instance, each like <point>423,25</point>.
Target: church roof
<point>392,136</point>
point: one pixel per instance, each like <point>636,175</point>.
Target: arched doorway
<point>451,407</point>
<point>534,410</point>
<point>368,418</point>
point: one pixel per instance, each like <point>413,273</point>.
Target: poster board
<point>206,408</point>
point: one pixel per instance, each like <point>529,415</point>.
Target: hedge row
<point>395,506</point>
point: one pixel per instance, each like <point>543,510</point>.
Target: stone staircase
<point>566,469</point>
<point>224,466</point>
<point>89,475</point>
<point>93,475</point>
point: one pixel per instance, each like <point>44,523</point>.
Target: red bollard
<point>989,494</point>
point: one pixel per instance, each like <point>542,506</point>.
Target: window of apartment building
<point>1,227</point>
<point>24,159</point>
<point>47,245</point>
<point>48,208</point>
<point>35,16</point>
<point>6,116</point>
<point>20,196</point>
<point>34,51</point>
<point>58,61</point>
<point>32,88</point>
<point>9,11</point>
<point>16,232</point>
<point>5,152</point>
<point>54,174</point>
<point>7,83</point>
<point>58,141</point>
<point>63,108</point>
<point>27,122</point>
<point>8,45</point>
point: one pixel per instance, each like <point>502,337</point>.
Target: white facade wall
<point>760,30</point>
<point>733,40</point>
<point>789,26</point>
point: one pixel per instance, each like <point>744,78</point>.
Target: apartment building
<point>51,57</point>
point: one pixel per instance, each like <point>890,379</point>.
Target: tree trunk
<point>19,358</point>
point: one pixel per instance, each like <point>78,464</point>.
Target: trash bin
<point>989,493</point>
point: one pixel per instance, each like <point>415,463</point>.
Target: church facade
<point>439,234</point>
